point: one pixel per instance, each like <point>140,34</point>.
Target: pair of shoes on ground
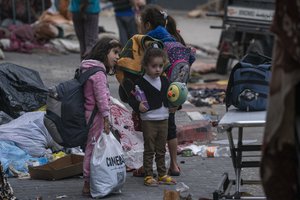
<point>165,180</point>
<point>141,173</point>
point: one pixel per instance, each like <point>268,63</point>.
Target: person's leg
<point>149,134</point>
<point>78,23</point>
<point>122,30</point>
<point>90,31</point>
<point>160,147</point>
<point>160,150</point>
<point>131,26</point>
<point>172,146</point>
<point>93,135</point>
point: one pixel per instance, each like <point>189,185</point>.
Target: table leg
<point>239,159</point>
<point>231,146</point>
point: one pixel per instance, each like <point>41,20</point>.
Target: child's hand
<point>173,109</point>
<point>106,125</point>
<point>142,107</point>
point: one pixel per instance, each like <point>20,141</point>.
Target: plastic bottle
<point>182,187</point>
<point>202,151</point>
<point>213,151</point>
<point>222,152</point>
<point>140,96</point>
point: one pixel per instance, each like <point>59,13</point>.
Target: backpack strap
<point>92,117</point>
<point>83,77</point>
<point>255,58</point>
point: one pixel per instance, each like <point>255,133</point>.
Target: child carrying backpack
<point>78,109</point>
<point>104,55</point>
<point>157,23</point>
<point>129,66</point>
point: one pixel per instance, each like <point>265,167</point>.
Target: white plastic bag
<point>108,170</point>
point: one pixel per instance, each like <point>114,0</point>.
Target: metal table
<point>238,119</point>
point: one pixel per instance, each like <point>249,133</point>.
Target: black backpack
<point>248,84</point>
<point>65,113</point>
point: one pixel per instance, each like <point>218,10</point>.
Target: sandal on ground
<point>150,181</point>
<point>174,173</point>
<point>139,172</point>
<point>166,180</point>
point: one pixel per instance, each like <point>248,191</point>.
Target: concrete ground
<point>202,175</point>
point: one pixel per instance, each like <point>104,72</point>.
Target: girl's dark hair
<point>101,49</point>
<point>157,16</point>
<point>151,53</point>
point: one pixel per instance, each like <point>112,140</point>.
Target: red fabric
<point>22,39</point>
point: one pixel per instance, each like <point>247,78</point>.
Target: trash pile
<point>206,96</point>
<point>206,151</point>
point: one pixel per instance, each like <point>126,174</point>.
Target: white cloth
<point>29,133</point>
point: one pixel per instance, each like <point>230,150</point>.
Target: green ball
<point>177,93</point>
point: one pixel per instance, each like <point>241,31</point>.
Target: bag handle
<point>255,58</point>
<point>92,117</point>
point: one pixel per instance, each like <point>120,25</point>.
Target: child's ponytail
<point>156,16</point>
<point>172,29</point>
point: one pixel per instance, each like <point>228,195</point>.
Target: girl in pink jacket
<point>104,55</point>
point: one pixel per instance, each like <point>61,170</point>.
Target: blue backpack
<point>248,84</point>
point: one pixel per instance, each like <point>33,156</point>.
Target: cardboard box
<point>68,166</point>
